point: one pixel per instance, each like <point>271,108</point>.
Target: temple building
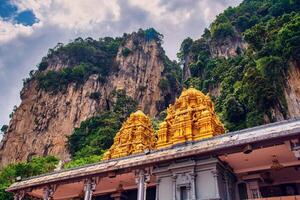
<point>189,158</point>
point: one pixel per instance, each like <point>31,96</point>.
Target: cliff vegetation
<point>247,81</point>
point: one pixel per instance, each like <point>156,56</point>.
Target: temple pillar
<point>19,195</point>
<point>157,189</point>
<point>142,178</point>
<point>193,186</point>
<point>89,188</point>
<point>216,176</point>
<point>227,187</point>
<point>174,177</point>
<point>49,192</point>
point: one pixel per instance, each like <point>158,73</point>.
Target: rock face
<point>291,94</point>
<point>229,47</point>
<point>43,121</point>
<point>292,90</point>
<point>140,73</point>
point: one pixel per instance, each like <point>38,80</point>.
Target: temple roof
<point>265,134</point>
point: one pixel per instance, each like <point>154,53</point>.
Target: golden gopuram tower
<point>192,117</point>
<point>135,136</point>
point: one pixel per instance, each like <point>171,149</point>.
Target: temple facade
<point>189,158</point>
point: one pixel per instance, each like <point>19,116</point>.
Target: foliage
<point>4,128</point>
<point>58,81</point>
<point>251,83</point>
<point>185,48</point>
<point>38,165</point>
<point>288,38</point>
<point>122,105</point>
<point>151,34</point>
<point>222,30</point>
<point>95,95</point>
<point>83,161</point>
<point>43,65</point>
<point>163,84</point>
<point>82,58</point>
<point>158,119</point>
<point>13,112</point>
<point>170,82</point>
<point>96,134</point>
<point>126,51</point>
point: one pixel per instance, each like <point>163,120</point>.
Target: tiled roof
<point>229,140</point>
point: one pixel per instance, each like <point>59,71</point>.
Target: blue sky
<point>28,28</point>
<point>10,12</point>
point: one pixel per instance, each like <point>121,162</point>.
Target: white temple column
<point>193,186</point>
<point>174,177</point>
<point>89,188</point>
<point>157,189</point>
<point>140,179</point>
<point>216,175</point>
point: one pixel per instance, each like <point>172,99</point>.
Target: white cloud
<point>21,47</point>
<point>9,31</point>
<point>75,14</point>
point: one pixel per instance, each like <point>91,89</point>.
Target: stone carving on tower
<point>135,136</point>
<point>192,117</point>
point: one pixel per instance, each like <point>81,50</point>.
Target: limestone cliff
<point>227,47</point>
<point>44,120</point>
<point>292,90</point>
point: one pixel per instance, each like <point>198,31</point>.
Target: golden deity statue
<point>135,136</point>
<point>192,117</point>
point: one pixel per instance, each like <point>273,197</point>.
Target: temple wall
<point>194,179</point>
<point>165,187</point>
<point>205,185</point>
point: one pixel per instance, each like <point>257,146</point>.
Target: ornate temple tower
<point>135,136</point>
<point>192,117</point>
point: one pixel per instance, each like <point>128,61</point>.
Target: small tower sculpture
<point>192,117</point>
<point>135,136</point>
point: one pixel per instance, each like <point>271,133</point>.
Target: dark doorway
<point>104,197</point>
<point>279,190</point>
<point>242,191</point>
<point>132,195</point>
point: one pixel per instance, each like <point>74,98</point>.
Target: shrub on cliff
<point>38,165</point>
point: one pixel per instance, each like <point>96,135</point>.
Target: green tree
<point>222,31</point>
<point>4,128</point>
<point>38,165</point>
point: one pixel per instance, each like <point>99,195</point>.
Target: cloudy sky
<point>28,28</point>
